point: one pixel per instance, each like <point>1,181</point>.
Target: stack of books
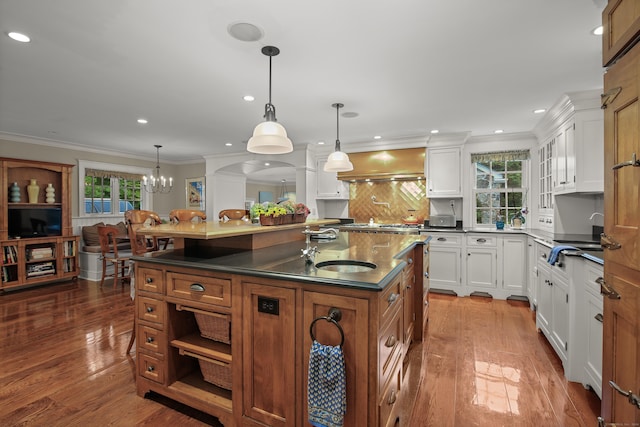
<point>40,253</point>
<point>40,269</point>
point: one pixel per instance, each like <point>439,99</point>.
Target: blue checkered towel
<point>326,389</point>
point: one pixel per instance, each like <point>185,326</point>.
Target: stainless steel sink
<point>346,266</point>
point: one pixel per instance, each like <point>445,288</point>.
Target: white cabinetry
<point>482,260</point>
<point>444,172</point>
<point>513,258</point>
<point>445,262</point>
<point>592,318</point>
<point>564,161</point>
<point>532,269</point>
<point>328,185</point>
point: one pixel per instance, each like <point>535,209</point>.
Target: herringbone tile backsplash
<point>401,197</point>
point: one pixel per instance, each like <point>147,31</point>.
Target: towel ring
<point>334,317</point>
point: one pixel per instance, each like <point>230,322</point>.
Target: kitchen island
<point>259,305</point>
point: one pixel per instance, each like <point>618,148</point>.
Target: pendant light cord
<point>337,127</point>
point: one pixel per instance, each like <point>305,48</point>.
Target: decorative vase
<point>14,193</point>
<point>50,194</point>
<point>33,189</point>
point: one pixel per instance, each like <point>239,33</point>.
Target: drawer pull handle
<point>410,261</point>
<point>481,240</point>
<point>392,298</point>
<point>197,287</point>
<point>543,256</point>
<point>442,239</point>
<point>633,162</point>
<point>392,398</point>
<point>149,340</point>
<point>149,279</point>
<point>426,274</point>
<point>608,243</point>
<point>426,252</point>
<point>599,317</point>
<point>149,309</point>
<point>606,290</point>
<point>150,369</point>
<point>391,341</point>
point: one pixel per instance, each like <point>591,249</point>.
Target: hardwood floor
<point>488,366</point>
<point>62,349</point>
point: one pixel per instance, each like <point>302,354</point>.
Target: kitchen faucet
<point>309,253</point>
<point>594,214</point>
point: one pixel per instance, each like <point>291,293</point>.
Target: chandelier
<point>156,183</point>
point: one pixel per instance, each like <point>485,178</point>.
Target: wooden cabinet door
<point>269,355</point>
<point>621,344</point>
<point>354,322</point>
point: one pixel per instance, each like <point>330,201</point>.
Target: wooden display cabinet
<point>36,239</point>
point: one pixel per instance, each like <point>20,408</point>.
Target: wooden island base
<point>259,377</point>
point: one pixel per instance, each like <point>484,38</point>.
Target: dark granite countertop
<point>284,261</point>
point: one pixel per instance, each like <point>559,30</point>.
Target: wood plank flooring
<point>62,353</point>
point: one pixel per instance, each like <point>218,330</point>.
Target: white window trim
<point>147,200</point>
<point>526,165</point>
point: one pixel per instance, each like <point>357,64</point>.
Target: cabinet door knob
<point>197,287</point>
<point>149,309</point>
<point>149,279</point>
<point>410,260</point>
<point>149,340</point>
<point>391,341</point>
<point>392,397</point>
<point>150,369</point>
<point>392,298</point>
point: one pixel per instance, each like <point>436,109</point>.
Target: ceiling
<point>94,67</point>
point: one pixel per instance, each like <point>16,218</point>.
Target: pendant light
<point>157,183</point>
<point>338,161</point>
<point>270,137</point>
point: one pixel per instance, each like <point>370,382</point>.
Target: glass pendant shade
<point>338,161</point>
<point>269,138</point>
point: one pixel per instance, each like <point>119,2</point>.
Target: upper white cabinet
<point>571,135</point>
<point>328,185</point>
<point>444,172</point>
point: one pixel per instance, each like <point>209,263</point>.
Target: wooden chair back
<point>233,214</point>
<point>107,235</point>
<point>186,215</point>
<point>135,219</point>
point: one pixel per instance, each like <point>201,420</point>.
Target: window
<point>109,189</point>
<point>499,187</point>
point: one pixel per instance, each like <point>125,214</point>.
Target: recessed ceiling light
<point>320,142</point>
<point>143,121</point>
<point>377,137</point>
<point>597,31</point>
<point>245,32</point>
<point>267,164</point>
<point>434,131</point>
<point>498,131</point>
<point>539,111</point>
<point>228,144</point>
<point>19,37</point>
<point>248,98</point>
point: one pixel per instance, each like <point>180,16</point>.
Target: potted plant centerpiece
<point>301,212</point>
<point>268,212</point>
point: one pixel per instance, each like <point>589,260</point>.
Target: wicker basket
<point>214,326</point>
<point>215,372</point>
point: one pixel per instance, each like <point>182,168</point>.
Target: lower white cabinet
<point>592,321</point>
<point>485,263</point>
<point>553,313</point>
<point>445,262</point>
<point>482,263</point>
